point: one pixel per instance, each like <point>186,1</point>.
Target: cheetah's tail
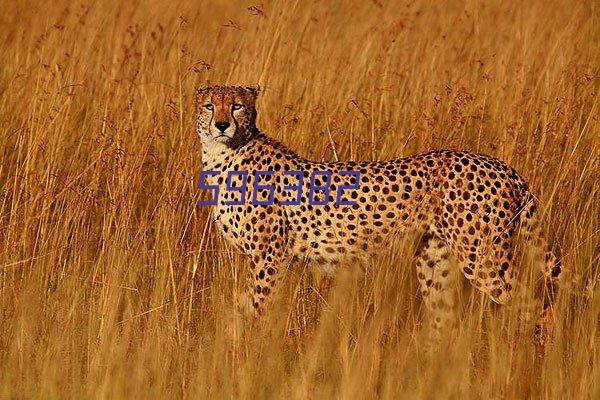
<point>545,257</point>
<point>532,233</point>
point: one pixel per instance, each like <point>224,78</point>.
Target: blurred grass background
<point>113,284</point>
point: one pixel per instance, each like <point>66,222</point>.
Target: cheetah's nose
<point>222,126</point>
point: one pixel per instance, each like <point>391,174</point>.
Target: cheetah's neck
<point>216,157</point>
<point>216,154</point>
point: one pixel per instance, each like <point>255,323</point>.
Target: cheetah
<point>467,208</point>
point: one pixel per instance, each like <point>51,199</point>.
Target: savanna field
<point>115,284</point>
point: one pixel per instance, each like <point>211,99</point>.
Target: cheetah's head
<point>226,115</point>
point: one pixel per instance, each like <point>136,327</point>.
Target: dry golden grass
<point>113,284</point>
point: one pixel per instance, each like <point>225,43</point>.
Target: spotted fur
<point>468,208</point>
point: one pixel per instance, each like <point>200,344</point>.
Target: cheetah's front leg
<point>266,245</point>
<point>263,280</point>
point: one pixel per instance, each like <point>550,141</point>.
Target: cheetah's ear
<point>254,90</point>
<point>202,90</point>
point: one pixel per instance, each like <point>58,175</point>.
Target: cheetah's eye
<point>209,106</point>
<point>237,106</point>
